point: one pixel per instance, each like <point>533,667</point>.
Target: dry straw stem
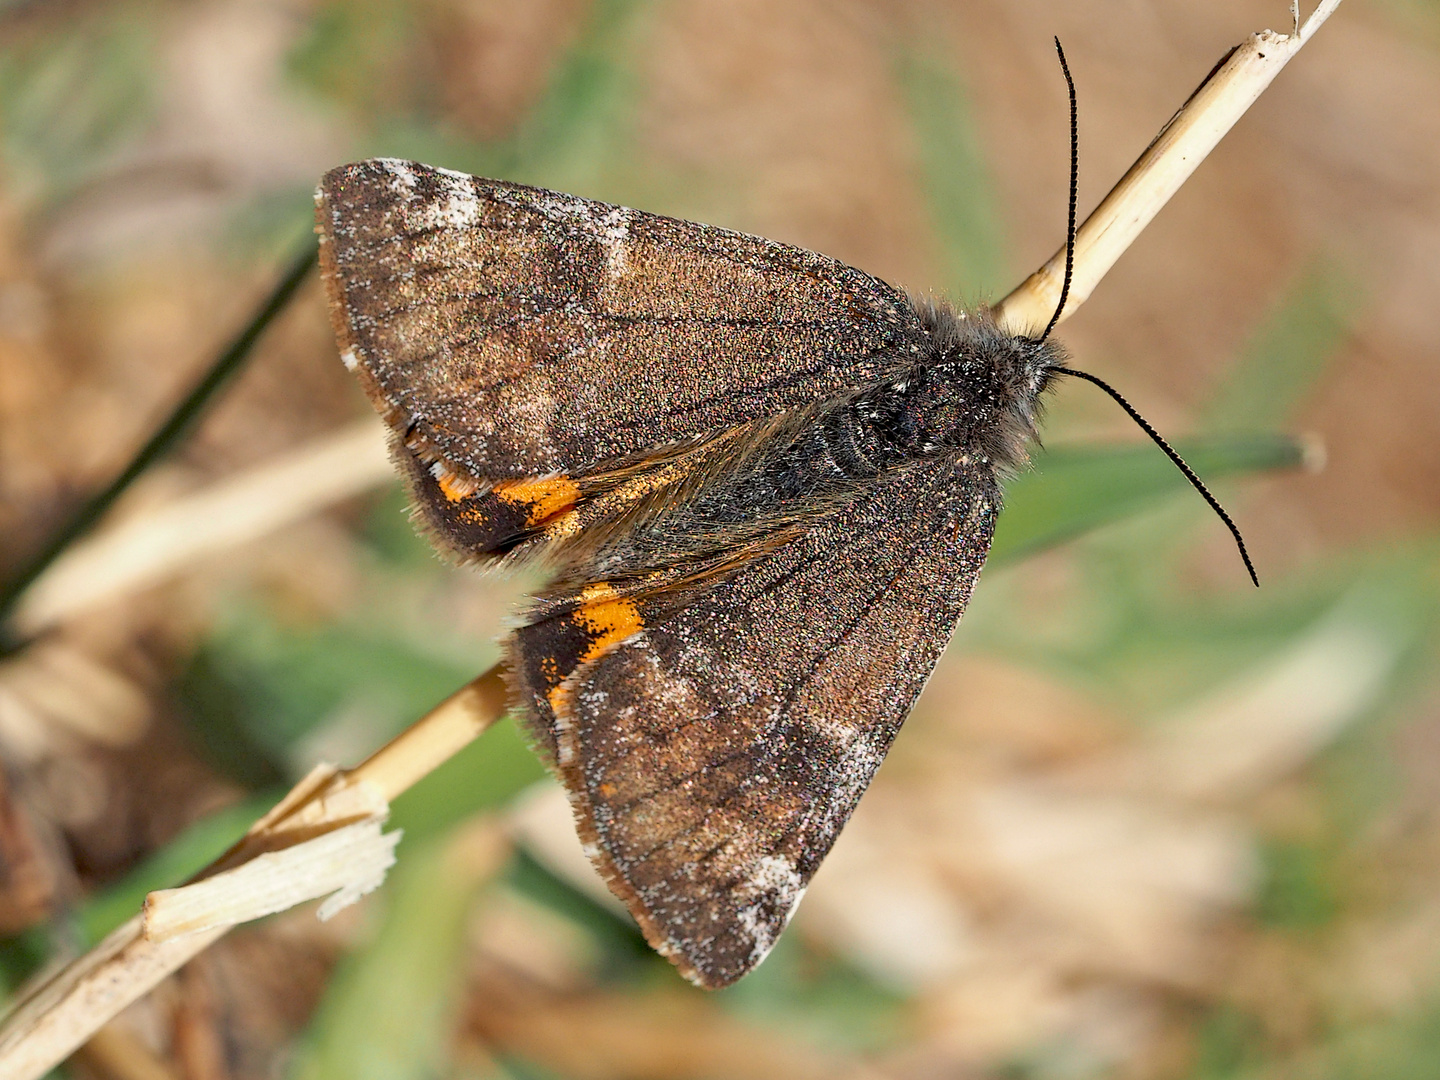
<point>343,865</point>
<point>1167,163</point>
<point>159,543</point>
<point>62,1012</point>
<point>57,1016</point>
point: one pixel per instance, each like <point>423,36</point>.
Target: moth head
<point>1000,378</point>
<point>1022,371</point>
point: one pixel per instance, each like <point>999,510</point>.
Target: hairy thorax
<point>977,390</point>
<point>971,394</point>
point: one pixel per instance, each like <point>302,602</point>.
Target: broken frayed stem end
<point>55,1017</point>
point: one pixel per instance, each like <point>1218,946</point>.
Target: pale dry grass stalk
<point>56,1017</point>
<point>161,542</point>
<point>1175,153</point>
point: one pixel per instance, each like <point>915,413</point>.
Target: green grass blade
<point>1073,490</point>
<point>388,1012</point>
<point>1286,357</point>
<point>70,100</point>
<point>954,176</point>
<point>578,131</point>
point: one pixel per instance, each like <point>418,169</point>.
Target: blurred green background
<point>1145,822</point>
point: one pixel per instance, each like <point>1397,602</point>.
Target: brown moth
<point>765,482</point>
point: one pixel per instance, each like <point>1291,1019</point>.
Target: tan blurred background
<point>1145,822</point>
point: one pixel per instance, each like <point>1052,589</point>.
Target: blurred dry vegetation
<point>1145,822</point>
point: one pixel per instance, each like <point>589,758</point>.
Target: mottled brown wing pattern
<point>713,751</point>
<point>514,333</point>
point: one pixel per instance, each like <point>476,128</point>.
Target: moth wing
<point>713,752</point>
<point>515,333</point>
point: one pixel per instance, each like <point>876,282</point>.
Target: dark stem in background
<point>175,427</point>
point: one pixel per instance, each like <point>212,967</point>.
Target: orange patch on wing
<point>557,697</point>
<point>541,498</point>
<point>609,619</point>
<point>453,487</point>
<point>563,525</point>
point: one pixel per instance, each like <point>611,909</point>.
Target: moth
<point>764,482</point>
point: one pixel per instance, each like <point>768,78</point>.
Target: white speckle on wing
<point>564,208</point>
<point>835,727</point>
<point>608,224</point>
<point>564,730</point>
<point>457,206</point>
<point>775,876</point>
<point>349,359</point>
<point>401,172</point>
<point>614,232</point>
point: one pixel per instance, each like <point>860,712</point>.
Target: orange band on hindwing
<point>453,487</point>
<point>488,522</point>
<point>540,498</point>
<point>608,617</point>
<point>558,646</point>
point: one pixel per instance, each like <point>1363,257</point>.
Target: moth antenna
<point>1074,188</point>
<point>1159,439</point>
<point>1134,414</point>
